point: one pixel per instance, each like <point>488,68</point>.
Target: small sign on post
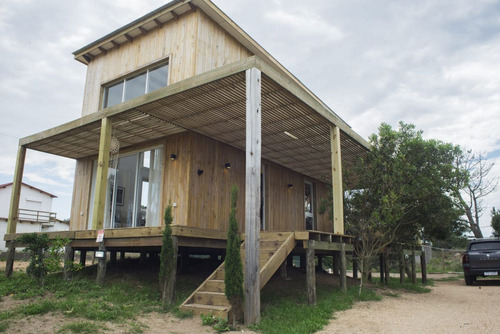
<point>100,236</point>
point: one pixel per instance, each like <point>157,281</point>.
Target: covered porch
<point>249,105</point>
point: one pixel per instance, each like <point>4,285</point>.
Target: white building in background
<point>35,211</point>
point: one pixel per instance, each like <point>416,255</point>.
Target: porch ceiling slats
<point>217,109</point>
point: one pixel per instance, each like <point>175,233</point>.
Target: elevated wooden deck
<point>140,238</point>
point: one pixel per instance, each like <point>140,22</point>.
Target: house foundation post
<point>101,265</point>
<point>423,265</point>
<point>112,256</point>
<point>283,273</point>
<point>83,257</point>
<point>336,263</point>
<point>69,256</point>
<point>413,267</point>
<point>14,207</point>
<point>355,266</point>
<point>11,254</point>
<point>310,273</point>
<point>387,264</point>
<point>401,266</point>
<point>252,196</point>
<point>381,266</point>
<point>343,268</point>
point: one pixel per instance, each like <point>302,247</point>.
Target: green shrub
<point>233,267</point>
<point>168,261</point>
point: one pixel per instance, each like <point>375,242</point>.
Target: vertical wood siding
<point>194,42</point>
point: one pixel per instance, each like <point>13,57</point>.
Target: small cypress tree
<point>233,266</point>
<point>168,261</point>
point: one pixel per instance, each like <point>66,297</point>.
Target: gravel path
<point>451,307</point>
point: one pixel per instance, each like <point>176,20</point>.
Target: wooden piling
<point>343,268</point>
<point>311,273</point>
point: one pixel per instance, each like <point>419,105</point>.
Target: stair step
<point>210,298</point>
<point>274,236</point>
<point>215,285</point>
<point>197,309</point>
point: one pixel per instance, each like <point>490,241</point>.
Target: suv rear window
<point>494,245</point>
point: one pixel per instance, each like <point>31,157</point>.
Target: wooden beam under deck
<point>137,237</point>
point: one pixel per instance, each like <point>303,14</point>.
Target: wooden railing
<point>37,216</point>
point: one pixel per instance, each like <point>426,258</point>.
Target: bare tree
<point>473,184</point>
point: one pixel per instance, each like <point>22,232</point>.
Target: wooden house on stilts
<point>179,105</point>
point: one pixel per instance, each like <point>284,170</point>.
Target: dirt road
<point>451,307</point>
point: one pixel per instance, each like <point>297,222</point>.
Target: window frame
<point>123,81</point>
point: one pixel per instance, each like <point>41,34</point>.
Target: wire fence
<point>441,260</point>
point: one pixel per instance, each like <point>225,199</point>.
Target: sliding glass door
<point>133,190</point>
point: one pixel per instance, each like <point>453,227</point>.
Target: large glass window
<point>133,190</point>
<point>134,86</point>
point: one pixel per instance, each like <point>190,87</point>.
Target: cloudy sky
<point>433,63</point>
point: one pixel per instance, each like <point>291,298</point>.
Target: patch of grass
<point>287,311</point>
<point>81,327</point>
<point>38,307</point>
<point>4,325</point>
<point>131,289</point>
<point>136,328</point>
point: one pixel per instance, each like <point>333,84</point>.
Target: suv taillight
<point>465,258</point>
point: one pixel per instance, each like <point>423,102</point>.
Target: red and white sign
<point>100,236</point>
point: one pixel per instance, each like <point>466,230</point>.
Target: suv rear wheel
<point>469,280</point>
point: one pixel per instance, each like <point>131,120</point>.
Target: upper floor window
<point>136,85</point>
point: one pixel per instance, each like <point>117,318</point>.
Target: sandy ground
<point>451,307</point>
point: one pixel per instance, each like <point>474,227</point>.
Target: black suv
<point>482,258</point>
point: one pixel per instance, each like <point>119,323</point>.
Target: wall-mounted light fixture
<point>200,171</point>
<point>227,165</point>
<point>290,186</point>
<point>173,156</point>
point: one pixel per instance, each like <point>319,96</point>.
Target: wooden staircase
<point>209,297</point>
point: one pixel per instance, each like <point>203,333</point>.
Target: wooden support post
<point>144,256</point>
<point>413,267</point>
<point>283,273</point>
<point>9,266</point>
<point>320,263</point>
<point>83,257</point>
<point>302,258</point>
<point>381,266</point>
<point>102,175</point>
<point>337,191</point>
<point>112,256</point>
<point>289,260</point>
<point>423,265</point>
<point>69,256</point>
<point>401,266</point>
<point>354,267</point>
<point>336,263</point>
<point>14,206</point>
<point>387,265</point>
<point>122,256</point>
<point>343,268</point>
<point>311,273</point>
<point>252,196</point>
<point>101,265</point>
